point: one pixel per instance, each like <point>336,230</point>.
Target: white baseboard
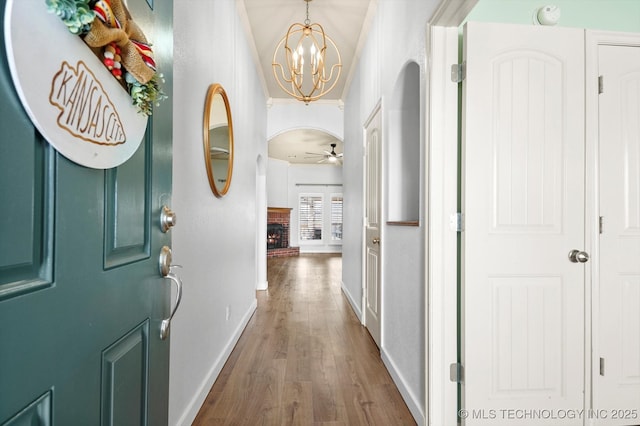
<point>355,306</point>
<point>320,249</point>
<point>408,396</point>
<point>192,409</point>
<point>263,285</point>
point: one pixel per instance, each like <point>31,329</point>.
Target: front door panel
<point>81,297</point>
<point>125,369</point>
<point>127,191</point>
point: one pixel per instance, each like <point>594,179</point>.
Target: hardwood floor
<point>304,358</point>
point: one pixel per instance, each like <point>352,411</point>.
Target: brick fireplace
<point>278,221</point>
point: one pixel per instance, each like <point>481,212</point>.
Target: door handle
<point>166,270</point>
<point>376,241</point>
<point>166,323</point>
<point>577,256</point>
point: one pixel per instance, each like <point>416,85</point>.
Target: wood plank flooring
<point>304,358</point>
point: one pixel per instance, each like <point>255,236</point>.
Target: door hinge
<point>601,224</point>
<point>602,366</point>
<point>600,85</point>
<point>456,372</point>
<point>458,72</point>
<point>456,222</point>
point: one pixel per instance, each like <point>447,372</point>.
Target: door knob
<point>376,241</point>
<point>167,218</point>
<point>577,256</point>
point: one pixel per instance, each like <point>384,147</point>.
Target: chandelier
<point>310,70</point>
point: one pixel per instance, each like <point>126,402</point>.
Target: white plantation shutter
<point>336,217</point>
<point>310,217</point>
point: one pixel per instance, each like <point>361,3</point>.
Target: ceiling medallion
<point>306,62</point>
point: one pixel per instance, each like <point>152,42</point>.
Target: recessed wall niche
<point>404,148</point>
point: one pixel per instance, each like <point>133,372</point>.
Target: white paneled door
<point>523,300</point>
<point>372,275</point>
<point>617,298</point>
<point>531,327</point>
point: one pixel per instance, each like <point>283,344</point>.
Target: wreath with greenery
<point>80,17</point>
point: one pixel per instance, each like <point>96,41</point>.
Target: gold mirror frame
<point>216,93</point>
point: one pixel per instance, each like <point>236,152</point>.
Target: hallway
<point>304,358</point>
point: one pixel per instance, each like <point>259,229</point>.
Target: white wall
<point>397,37</point>
<point>277,183</point>
<point>290,115</point>
<point>404,141</point>
<point>214,239</point>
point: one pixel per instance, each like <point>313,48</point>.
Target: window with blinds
<point>336,217</point>
<point>310,217</point>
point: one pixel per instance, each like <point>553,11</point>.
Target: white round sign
<point>71,97</point>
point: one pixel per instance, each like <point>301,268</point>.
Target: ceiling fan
<point>328,157</point>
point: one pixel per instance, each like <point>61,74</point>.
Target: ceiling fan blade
<point>340,155</point>
<point>313,153</point>
<point>327,153</point>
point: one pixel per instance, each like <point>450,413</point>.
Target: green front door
<point>81,296</point>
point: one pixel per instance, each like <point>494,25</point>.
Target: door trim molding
<point>441,256</point>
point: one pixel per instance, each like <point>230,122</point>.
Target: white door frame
<point>441,192</point>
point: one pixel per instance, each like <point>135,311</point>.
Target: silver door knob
<point>376,241</point>
<point>167,218</point>
<point>577,256</point>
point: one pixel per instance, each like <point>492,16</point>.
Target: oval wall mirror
<point>218,140</point>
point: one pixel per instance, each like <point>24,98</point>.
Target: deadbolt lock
<point>167,219</point>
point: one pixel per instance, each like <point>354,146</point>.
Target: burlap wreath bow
<point>114,25</point>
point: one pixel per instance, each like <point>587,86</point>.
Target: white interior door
<point>617,357</point>
<point>523,204</point>
<point>372,285</point>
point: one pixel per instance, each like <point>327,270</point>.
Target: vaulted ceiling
<point>345,21</point>
<point>267,21</point>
